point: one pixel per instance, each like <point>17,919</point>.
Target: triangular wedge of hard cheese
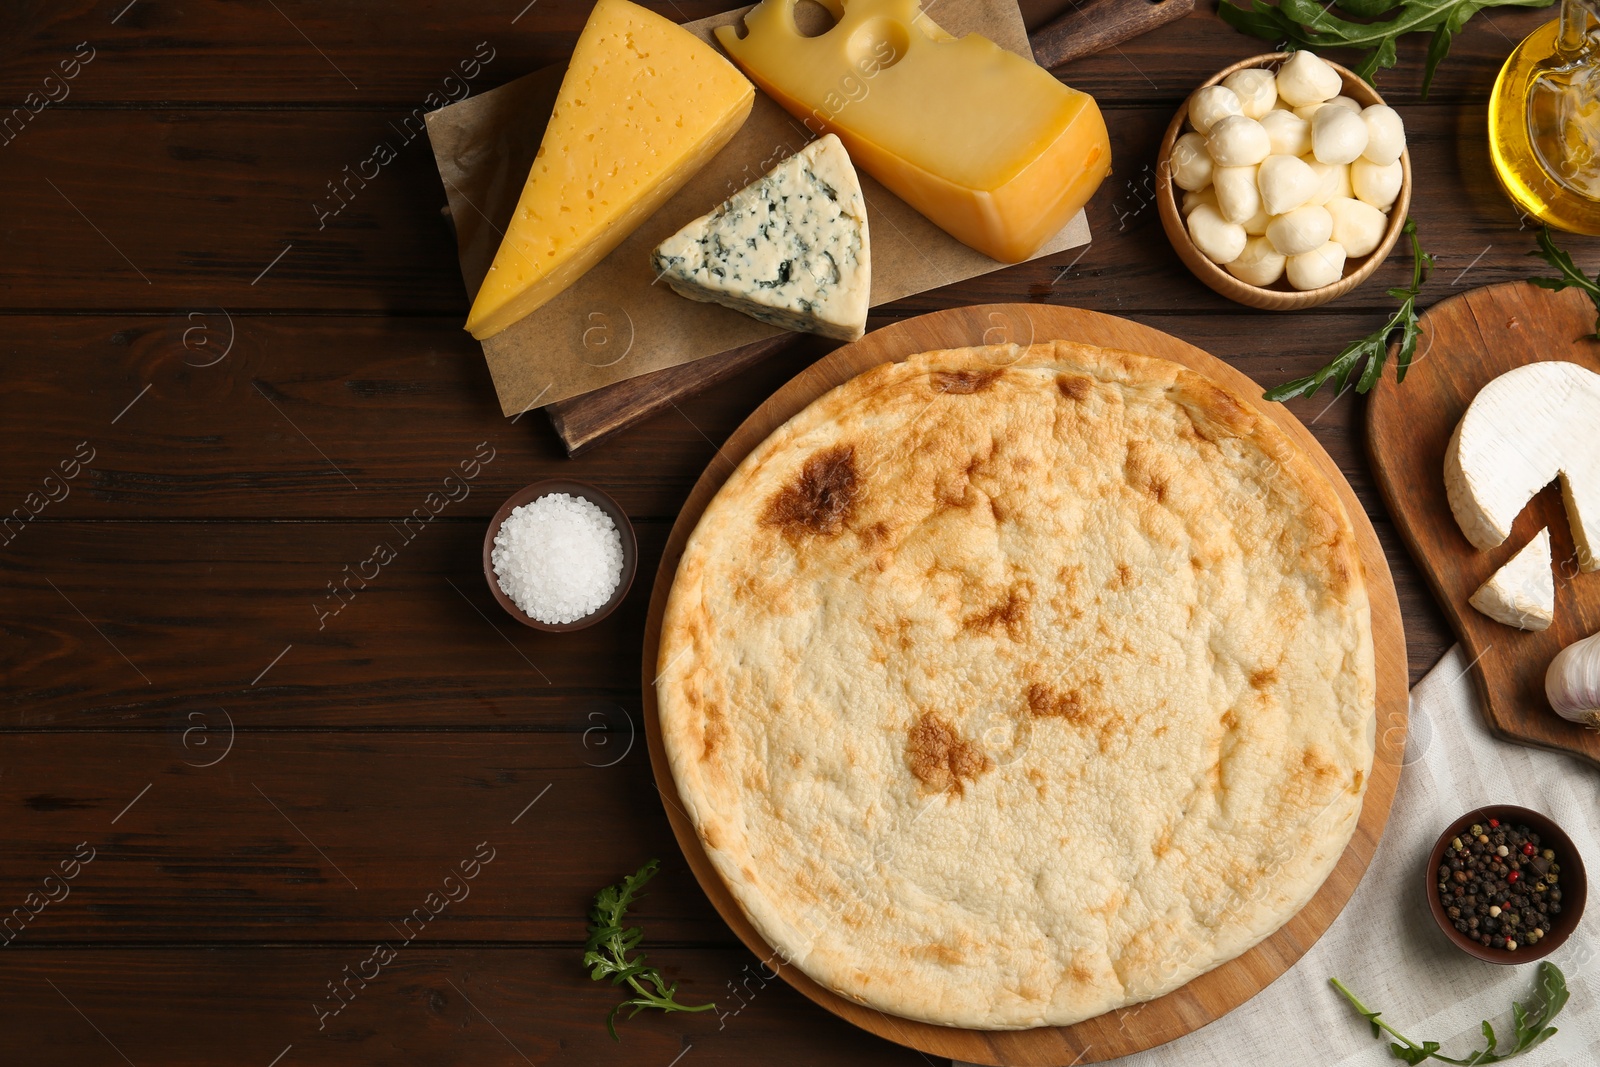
<point>644,105</point>
<point>1523,592</point>
<point>790,248</point>
<point>1521,431</point>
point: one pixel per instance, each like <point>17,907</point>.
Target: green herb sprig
<point>610,943</point>
<point>1374,348</point>
<point>1571,276</point>
<point>1307,24</point>
<point>1532,1024</point>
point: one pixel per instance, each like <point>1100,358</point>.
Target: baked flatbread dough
<point>1005,686</point>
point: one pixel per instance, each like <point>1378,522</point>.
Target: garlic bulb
<point>1573,682</point>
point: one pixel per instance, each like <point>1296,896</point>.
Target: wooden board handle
<point>583,421</point>
<point>1094,25</point>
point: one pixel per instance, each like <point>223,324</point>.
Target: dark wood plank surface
<point>243,426</point>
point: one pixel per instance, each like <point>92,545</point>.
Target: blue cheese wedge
<point>790,249</point>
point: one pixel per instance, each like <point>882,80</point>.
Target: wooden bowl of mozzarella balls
<point>1284,181</point>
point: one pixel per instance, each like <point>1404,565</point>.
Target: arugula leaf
<point>1571,276</point>
<point>1374,348</point>
<point>610,943</point>
<point>1530,1030</point>
<point>1306,24</point>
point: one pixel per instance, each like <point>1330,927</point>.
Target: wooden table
<point>226,385</point>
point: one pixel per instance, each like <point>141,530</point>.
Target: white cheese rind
<point>1523,592</point>
<point>790,249</point>
<point>1521,431</point>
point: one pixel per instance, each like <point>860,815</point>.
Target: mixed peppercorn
<point>1498,887</point>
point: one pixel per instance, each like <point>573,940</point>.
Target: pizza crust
<point>1008,686</point>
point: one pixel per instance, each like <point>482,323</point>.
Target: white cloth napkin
<point>1385,946</point>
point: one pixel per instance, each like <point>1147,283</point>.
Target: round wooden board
<point>1208,997</point>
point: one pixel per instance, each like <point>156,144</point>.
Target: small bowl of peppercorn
<point>1506,885</point>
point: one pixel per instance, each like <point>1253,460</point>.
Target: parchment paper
<point>615,322</point>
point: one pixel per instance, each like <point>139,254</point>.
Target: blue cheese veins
<point>789,249</point>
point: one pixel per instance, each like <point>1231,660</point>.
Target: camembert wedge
<point>791,248</point>
<point>643,106</point>
<point>1523,592</point>
<point>1519,433</point>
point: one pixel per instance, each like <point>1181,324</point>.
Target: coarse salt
<point>559,558</point>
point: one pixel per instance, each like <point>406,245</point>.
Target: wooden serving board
<point>1206,998</point>
<point>1470,340</point>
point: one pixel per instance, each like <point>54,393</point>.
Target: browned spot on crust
<point>1076,709</point>
<point>1230,721</point>
<point>942,953</point>
<point>995,510</point>
<point>1044,701</point>
<point>942,759</point>
<point>822,499</point>
<point>1080,974</point>
<point>1012,613</point>
<point>713,734</point>
<point>1355,782</point>
<point>1314,773</point>
<point>1264,678</point>
<point>1074,386</point>
<point>1123,578</point>
<point>874,535</point>
<point>965,381</point>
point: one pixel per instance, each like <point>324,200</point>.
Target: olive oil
<point>1544,123</point>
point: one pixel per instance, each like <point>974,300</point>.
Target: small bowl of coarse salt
<point>559,555</point>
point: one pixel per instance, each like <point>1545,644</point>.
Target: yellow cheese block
<point>983,142</point>
<point>644,105</point>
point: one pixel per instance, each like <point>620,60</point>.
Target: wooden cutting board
<point>1208,997</point>
<point>1470,340</point>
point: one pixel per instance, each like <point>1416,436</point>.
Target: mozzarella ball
<point>1378,185</point>
<point>1386,134</point>
<point>1220,240</point>
<point>1300,230</point>
<point>1287,133</point>
<point>1314,269</point>
<point>1332,180</point>
<point>1338,135</point>
<point>1238,197</point>
<point>1212,104</point>
<point>1339,101</point>
<point>1238,142</point>
<point>1256,224</point>
<point>1358,227</point>
<point>1259,263</point>
<point>1194,199</point>
<point>1286,183</point>
<point>1304,79</point>
<point>1191,162</point>
<point>1256,89</point>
